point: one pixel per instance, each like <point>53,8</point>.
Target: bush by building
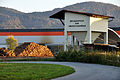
<point>97,57</point>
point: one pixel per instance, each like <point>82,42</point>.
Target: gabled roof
<point>61,14</point>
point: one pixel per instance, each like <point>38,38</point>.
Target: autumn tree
<point>11,42</point>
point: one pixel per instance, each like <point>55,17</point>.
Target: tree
<point>11,42</point>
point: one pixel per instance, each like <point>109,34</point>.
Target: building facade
<point>85,27</point>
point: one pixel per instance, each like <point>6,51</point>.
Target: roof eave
<point>60,14</point>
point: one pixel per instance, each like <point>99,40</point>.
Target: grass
<point>28,59</point>
<point>32,71</point>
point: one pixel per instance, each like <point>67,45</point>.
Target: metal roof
<point>31,30</point>
<point>42,30</point>
<point>61,14</point>
<point>115,28</point>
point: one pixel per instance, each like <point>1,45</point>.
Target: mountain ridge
<point>14,19</point>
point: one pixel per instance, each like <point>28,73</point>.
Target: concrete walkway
<point>86,71</point>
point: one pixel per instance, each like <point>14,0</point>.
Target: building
<point>48,36</point>
<point>41,36</point>
<point>85,27</point>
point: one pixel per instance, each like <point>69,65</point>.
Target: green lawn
<point>32,71</point>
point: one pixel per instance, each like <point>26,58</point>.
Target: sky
<point>45,5</point>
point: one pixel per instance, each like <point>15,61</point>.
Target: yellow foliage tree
<point>11,42</point>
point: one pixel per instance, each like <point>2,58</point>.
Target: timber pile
<point>32,49</point>
<point>6,53</point>
<point>11,54</point>
<point>3,51</point>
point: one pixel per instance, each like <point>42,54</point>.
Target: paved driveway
<point>86,71</point>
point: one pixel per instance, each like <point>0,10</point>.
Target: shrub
<point>11,42</point>
<point>97,57</point>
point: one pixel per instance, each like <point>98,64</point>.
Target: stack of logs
<point>3,51</point>
<point>27,49</point>
<point>32,49</point>
<point>11,54</point>
<point>6,53</point>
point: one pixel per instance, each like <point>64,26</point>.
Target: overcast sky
<point>45,5</point>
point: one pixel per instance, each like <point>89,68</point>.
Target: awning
<point>61,14</point>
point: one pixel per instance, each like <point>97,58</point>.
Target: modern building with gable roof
<point>85,27</point>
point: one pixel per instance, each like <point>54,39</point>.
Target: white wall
<point>81,36</point>
<point>76,22</point>
<point>98,24</point>
<point>37,39</point>
<point>85,28</point>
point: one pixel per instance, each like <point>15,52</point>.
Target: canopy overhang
<point>61,14</point>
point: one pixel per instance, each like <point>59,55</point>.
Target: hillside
<point>13,19</point>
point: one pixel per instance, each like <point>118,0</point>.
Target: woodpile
<point>3,51</point>
<point>11,54</point>
<point>27,49</point>
<point>32,49</point>
<point>6,53</point>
